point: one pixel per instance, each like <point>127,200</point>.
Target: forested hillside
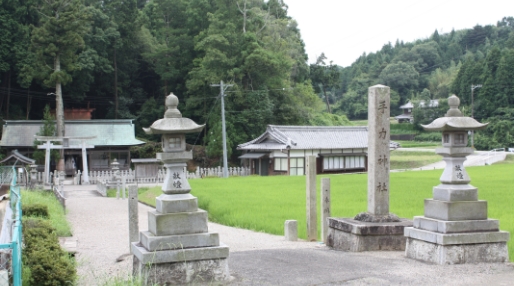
<point>437,67</point>
<point>123,57</point>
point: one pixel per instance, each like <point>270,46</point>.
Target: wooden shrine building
<point>110,138</point>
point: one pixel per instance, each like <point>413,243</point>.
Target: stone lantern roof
<point>173,122</point>
<point>453,119</point>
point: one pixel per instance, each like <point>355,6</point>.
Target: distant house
<point>407,108</point>
<point>113,140</point>
<point>282,150</point>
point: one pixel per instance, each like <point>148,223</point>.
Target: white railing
<point>493,156</point>
<point>129,176</point>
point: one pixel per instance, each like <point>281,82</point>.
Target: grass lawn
<point>264,203</point>
<point>412,159</point>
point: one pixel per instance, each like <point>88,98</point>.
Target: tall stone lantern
<point>177,248</point>
<point>455,228</point>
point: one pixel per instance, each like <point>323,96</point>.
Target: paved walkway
<point>100,227</point>
<point>479,158</point>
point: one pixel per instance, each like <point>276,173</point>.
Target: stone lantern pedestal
<point>455,228</point>
<point>178,247</point>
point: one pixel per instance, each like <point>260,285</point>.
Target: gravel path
<point>100,227</point>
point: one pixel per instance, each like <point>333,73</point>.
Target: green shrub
<point>56,212</point>
<point>48,264</point>
<point>35,210</point>
<point>429,137</point>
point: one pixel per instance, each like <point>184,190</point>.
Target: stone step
<point>456,226</point>
<point>456,238</point>
<point>81,194</point>
<point>152,242</point>
<point>179,255</point>
<point>69,244</point>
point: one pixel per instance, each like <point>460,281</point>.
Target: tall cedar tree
<point>56,42</point>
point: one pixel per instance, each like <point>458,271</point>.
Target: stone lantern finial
<point>171,104</point>
<point>453,102</point>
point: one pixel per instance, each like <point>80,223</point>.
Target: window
<point>459,139</point>
<point>174,143</point>
<point>281,164</point>
<point>297,168</point>
<point>343,162</point>
<point>354,162</point>
<point>333,163</point>
<point>446,138</point>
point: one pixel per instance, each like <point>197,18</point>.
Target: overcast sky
<point>344,29</point>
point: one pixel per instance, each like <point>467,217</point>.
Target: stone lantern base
<point>494,252</point>
<point>457,241</point>
<point>177,248</point>
<point>193,272</point>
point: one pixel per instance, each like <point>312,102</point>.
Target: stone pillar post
<point>378,150</point>
<point>47,162</point>
<point>376,229</point>
<point>33,176</point>
<point>133,215</point>
<point>85,172</point>
<point>325,207</point>
<point>312,226</point>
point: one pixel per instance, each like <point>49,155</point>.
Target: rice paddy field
<point>264,203</point>
<point>412,159</point>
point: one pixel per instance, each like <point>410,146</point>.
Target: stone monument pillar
<point>455,228</point>
<point>376,229</point>
<point>178,248</point>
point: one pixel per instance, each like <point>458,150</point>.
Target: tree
<point>48,129</point>
<point>401,77</point>
<point>56,42</point>
<point>15,20</point>
<point>324,77</point>
<point>170,51</point>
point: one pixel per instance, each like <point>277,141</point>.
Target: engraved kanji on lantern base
<point>455,228</point>
<point>376,229</point>
<point>178,247</point>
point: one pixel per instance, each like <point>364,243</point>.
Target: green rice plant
<point>403,129</point>
<point>429,137</point>
<point>412,159</point>
<point>418,144</point>
<point>264,203</point>
<point>56,212</point>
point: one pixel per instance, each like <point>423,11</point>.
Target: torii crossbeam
<point>65,145</point>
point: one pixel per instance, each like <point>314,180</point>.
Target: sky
<point>345,29</point>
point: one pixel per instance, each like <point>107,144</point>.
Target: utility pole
<point>473,87</point>
<point>223,87</point>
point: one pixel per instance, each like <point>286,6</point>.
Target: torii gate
<point>65,145</point>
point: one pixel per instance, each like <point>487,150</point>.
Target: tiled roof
<point>119,132</point>
<point>407,105</point>
<point>404,116</point>
<point>277,137</point>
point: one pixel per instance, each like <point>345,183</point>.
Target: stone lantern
<point>177,248</point>
<point>455,228</point>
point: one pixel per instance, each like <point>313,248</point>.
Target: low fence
<point>129,176</point>
<point>11,234</point>
<point>493,156</point>
<point>59,194</point>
